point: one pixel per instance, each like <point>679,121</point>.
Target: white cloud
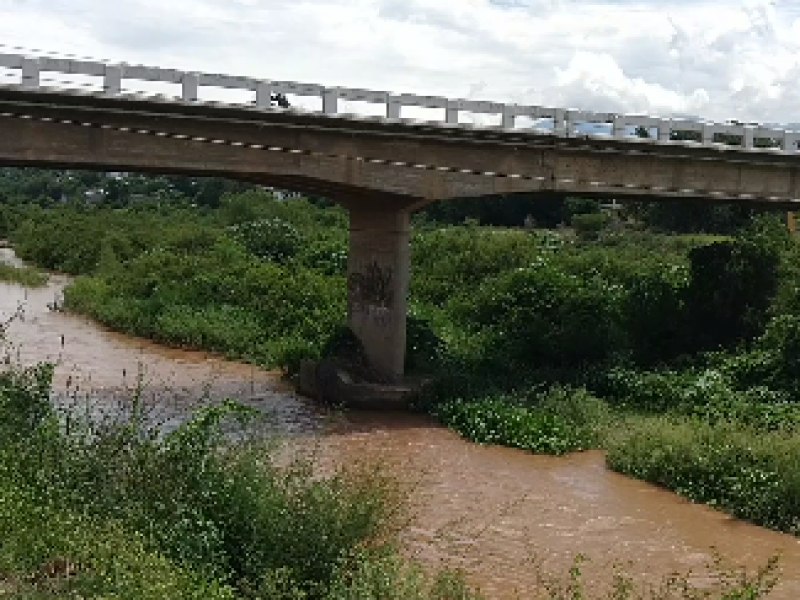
<point>717,58</point>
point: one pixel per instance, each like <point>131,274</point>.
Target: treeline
<point>550,210</point>
<point>52,187</point>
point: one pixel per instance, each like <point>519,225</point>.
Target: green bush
<point>451,262</point>
<point>26,276</point>
<point>752,474</point>
<point>729,293</point>
<point>589,225</point>
<point>177,503</point>
<point>540,314</point>
<point>24,399</point>
<point>555,422</point>
<point>780,352</point>
<point>47,552</point>
<point>425,350</point>
<point>215,297</point>
<point>653,315</point>
<point>269,239</point>
<point>328,256</point>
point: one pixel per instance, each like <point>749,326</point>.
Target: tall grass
<point>26,276</point>
<point>752,474</point>
<point>120,509</point>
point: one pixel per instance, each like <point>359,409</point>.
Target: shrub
<point>752,474</point>
<point>269,239</point>
<point>654,315</point>
<point>190,497</point>
<point>26,276</point>
<point>555,422</point>
<point>540,314</point>
<point>729,293</point>
<point>47,552</point>
<point>425,350</point>
<point>589,225</point>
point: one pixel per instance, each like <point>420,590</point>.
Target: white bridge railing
<point>34,72</point>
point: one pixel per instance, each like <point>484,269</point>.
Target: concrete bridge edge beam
<point>377,285</point>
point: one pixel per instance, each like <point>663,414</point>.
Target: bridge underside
<point>380,172</point>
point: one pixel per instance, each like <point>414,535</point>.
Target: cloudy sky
<point>715,58</point>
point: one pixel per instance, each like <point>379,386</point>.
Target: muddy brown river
<point>499,514</point>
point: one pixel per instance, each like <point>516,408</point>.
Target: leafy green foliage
<point>589,225</point>
<point>554,422</point>
<point>116,508</point>
<point>425,350</point>
<point>542,313</point>
<point>754,476</point>
<point>269,239</point>
<point>27,276</point>
<point>730,289</point>
<point>499,315</point>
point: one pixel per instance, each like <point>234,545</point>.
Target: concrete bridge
<point>64,112</point>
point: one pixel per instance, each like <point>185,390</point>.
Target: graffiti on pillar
<point>370,291</point>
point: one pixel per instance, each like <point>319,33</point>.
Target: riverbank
<point>490,510</point>
<point>13,272</point>
<point>117,507</point>
<point>632,324</point>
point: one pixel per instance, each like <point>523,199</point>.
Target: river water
<point>500,514</point>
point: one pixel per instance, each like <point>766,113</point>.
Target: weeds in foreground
<point>114,508</point>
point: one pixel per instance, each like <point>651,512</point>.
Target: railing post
<point>748,139</point>
<point>264,94</point>
<point>330,101</point>
<point>112,81</point>
<point>790,139</point>
<point>31,70</point>
<point>509,116</point>
<point>571,119</point>
<point>393,107</point>
<point>618,128</point>
<point>708,135</point>
<point>559,125</point>
<point>664,130</point>
<point>190,84</point>
<point>451,113</point>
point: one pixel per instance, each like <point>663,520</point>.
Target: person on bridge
<point>280,100</point>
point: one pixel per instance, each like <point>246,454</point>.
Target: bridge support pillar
<point>377,285</point>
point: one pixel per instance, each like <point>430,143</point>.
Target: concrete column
<point>377,285</point>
